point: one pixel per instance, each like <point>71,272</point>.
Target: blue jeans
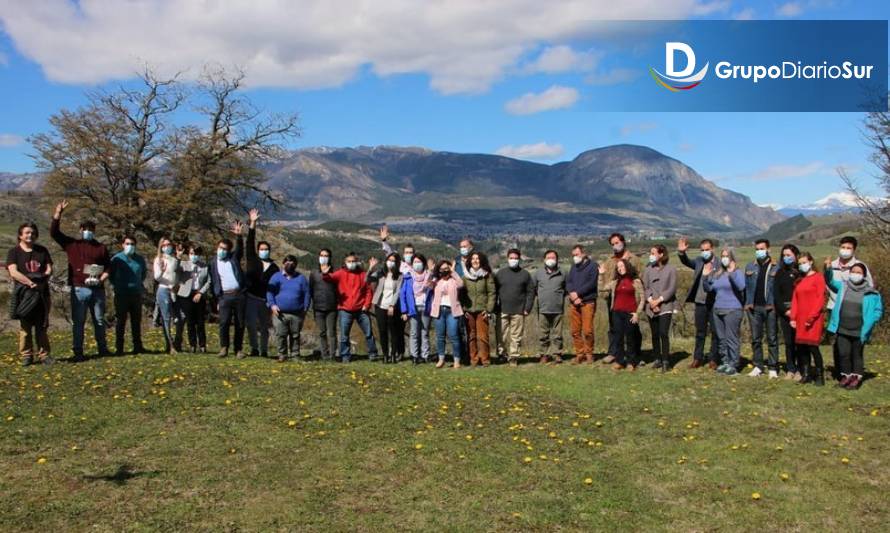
<point>346,318</point>
<point>164,299</point>
<point>447,324</point>
<point>82,300</point>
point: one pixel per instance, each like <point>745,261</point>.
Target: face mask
<point>129,249</point>
<point>706,255</point>
<point>222,254</point>
<point>788,260</point>
<point>653,259</point>
<point>290,268</point>
<point>464,251</point>
<point>264,254</point>
<point>194,258</point>
<point>725,261</point>
<point>167,250</point>
<point>87,235</point>
<point>618,248</point>
<point>390,264</point>
<point>351,265</point>
<point>444,272</point>
<point>577,259</point>
<point>761,254</point>
<point>845,253</point>
<point>805,267</point>
<point>407,258</point>
<point>418,267</point>
<point>856,278</point>
<point>550,263</point>
<point>322,260</point>
<point>513,263</point>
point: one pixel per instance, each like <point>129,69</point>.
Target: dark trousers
<point>326,322</point>
<point>231,312</point>
<point>763,319</point>
<point>195,316</point>
<point>629,338</point>
<point>806,353</point>
<point>704,320</point>
<point>613,338</point>
<point>850,354</point>
<point>392,332</point>
<point>127,306</point>
<point>661,336</point>
<point>288,327</point>
<point>790,347</point>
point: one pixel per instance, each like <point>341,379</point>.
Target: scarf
<point>472,274</point>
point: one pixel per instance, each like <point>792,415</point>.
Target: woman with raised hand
<point>727,283</point>
<point>480,294</point>
<point>166,275</point>
<point>808,319</point>
<point>446,310</point>
<point>660,286</point>
<point>388,280</point>
<point>415,300</point>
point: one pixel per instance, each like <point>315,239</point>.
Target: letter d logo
<point>670,50</point>
<point>678,80</point>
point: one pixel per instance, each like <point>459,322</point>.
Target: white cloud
<point>637,127</point>
<point>562,58</point>
<point>780,172</point>
<point>744,14</point>
<point>9,140</point>
<point>614,76</point>
<point>464,46</point>
<point>789,9</point>
<point>556,97</point>
<point>709,8</point>
<point>541,150</point>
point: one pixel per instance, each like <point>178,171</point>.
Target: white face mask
<point>618,248</point>
<point>845,253</point>
<point>577,259</point>
<point>725,261</point>
<point>322,260</point>
<point>390,264</point>
<point>351,265</point>
<point>464,251</point>
<point>418,267</point>
<point>653,259</point>
<point>805,267</point>
<point>550,263</point>
<point>513,263</point>
<point>856,278</point>
<point>706,255</point>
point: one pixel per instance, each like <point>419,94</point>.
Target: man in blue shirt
<point>288,296</point>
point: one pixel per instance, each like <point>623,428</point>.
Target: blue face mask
<point>167,250</point>
<point>706,255</point>
<point>194,258</point>
<point>88,235</point>
<point>788,260</point>
<point>222,254</point>
<point>129,249</point>
<point>264,254</point>
<point>761,254</point>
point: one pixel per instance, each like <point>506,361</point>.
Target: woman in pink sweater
<point>446,310</point>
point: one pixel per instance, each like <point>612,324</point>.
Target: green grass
<point>185,442</point>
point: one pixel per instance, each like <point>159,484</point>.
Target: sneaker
<point>223,352</point>
<point>608,359</point>
<point>845,380</point>
<point>756,372</point>
<point>730,371</point>
<point>656,363</point>
<point>789,376</point>
<point>712,365</point>
<point>282,358</point>
<point>631,368</point>
<point>773,374</point>
<point>855,382</point>
<point>78,358</point>
<point>27,361</point>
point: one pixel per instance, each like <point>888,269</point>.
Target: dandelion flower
<point>588,481</point>
<point>755,495</point>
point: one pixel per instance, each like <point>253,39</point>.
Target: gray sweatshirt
<point>550,289</point>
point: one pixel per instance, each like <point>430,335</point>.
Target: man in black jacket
<point>258,270</point>
<point>228,288</point>
<point>703,300</point>
<point>516,296</point>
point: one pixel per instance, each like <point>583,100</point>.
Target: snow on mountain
<point>836,202</point>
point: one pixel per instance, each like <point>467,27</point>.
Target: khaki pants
<point>26,338</point>
<point>512,327</point>
<point>477,333</point>
<point>581,317</point>
<point>550,339</point>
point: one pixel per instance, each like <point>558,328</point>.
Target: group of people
<point>461,299</point>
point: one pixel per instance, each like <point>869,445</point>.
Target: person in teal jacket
<point>128,273</point>
<point>853,318</point>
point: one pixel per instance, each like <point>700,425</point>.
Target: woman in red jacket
<point>807,318</point>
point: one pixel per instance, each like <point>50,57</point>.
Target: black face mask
<point>444,273</point>
<point>290,269</point>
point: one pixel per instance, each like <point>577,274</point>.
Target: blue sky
<point>386,80</point>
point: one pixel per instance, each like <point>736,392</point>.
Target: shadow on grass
<point>122,475</point>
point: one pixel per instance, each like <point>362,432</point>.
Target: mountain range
<point>834,203</point>
<point>627,187</point>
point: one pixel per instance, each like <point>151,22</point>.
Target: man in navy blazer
<point>227,277</point>
<point>703,300</point>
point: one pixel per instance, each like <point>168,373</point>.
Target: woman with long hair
<point>786,278</point>
<point>808,319</point>
<point>480,300</point>
<point>727,283</point>
<point>415,299</point>
<point>447,310</point>
<point>387,310</point>
<point>166,276</point>
<point>627,297</point>
<point>660,286</point>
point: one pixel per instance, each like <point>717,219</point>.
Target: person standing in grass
<point>728,285</point>
<point>30,267</point>
<point>550,290</point>
<point>387,282</point>
<point>166,276</point>
<point>581,284</point>
<point>619,251</point>
<point>353,305</point>
<point>228,287</point>
<point>259,269</point>
<point>446,310</point>
<point>703,300</point>
<point>288,297</point>
<point>760,276</point>
<point>628,298</point>
<point>87,291</point>
<point>808,319</point>
<point>660,286</point>
<point>128,273</point>
<point>840,266</point>
<point>857,311</point>
<point>783,290</point>
<point>480,294</point>
<point>324,305</point>
<point>415,302</point>
<point>516,296</point>
<point>191,296</point>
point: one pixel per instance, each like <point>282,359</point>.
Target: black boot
<point>656,363</point>
<point>819,378</point>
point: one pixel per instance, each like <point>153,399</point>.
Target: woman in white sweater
<point>166,274</point>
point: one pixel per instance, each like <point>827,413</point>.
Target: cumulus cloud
<point>744,14</point>
<point>562,58</point>
<point>463,46</point>
<point>541,150</point>
<point>709,8</point>
<point>9,140</point>
<point>779,172</point>
<point>556,97</point>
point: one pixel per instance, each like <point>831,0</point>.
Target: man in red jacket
<point>353,303</point>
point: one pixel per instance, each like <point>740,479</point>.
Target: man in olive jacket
<point>550,289</point>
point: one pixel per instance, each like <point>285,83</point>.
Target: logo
<point>683,80</point>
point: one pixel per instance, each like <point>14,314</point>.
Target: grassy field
<point>184,442</point>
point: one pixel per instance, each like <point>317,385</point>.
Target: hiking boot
<point>845,380</point>
<point>755,372</point>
